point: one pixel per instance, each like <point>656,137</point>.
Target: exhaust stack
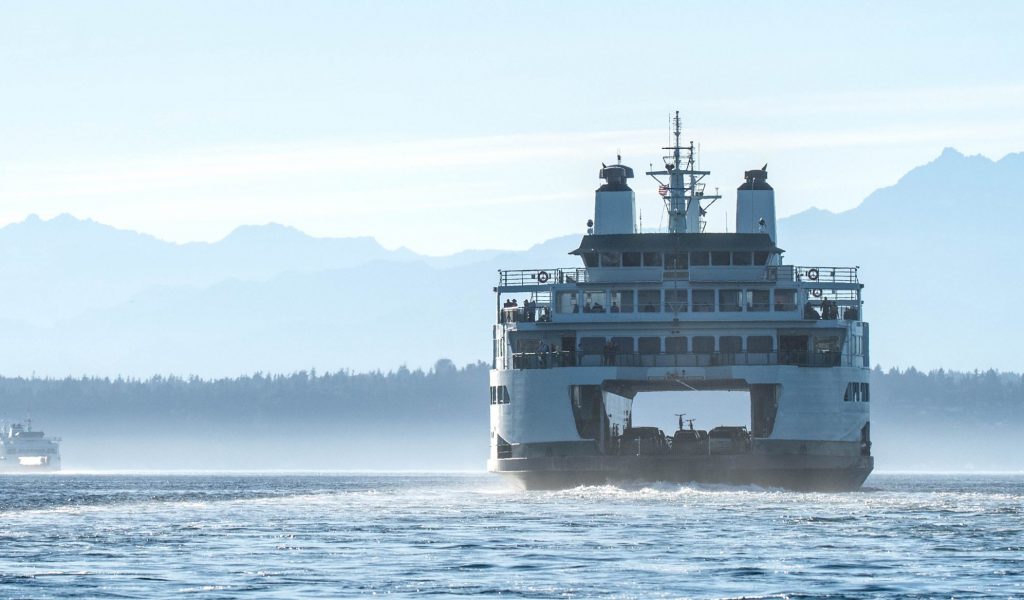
<point>755,204</point>
<point>614,202</point>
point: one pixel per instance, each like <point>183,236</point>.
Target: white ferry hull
<point>815,441</point>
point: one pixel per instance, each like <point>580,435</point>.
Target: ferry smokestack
<point>755,204</point>
<point>614,202</point>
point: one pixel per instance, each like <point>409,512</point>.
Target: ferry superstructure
<point>684,310</point>
<point>24,449</point>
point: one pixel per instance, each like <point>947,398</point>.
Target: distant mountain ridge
<point>61,267</point>
<point>939,254</point>
<point>85,298</point>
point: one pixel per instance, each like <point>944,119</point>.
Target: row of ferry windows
<point>700,344</point>
<point>684,300</point>
<point>675,260</point>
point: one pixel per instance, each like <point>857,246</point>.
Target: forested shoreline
<point>444,391</point>
<point>304,396</point>
<point>935,419</point>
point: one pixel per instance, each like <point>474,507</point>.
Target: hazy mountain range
<point>942,275</point>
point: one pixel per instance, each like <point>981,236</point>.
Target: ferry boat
<point>22,449</point>
<point>684,310</point>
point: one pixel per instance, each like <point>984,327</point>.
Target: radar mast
<point>684,192</point>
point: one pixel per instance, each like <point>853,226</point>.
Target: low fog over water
<point>438,420</point>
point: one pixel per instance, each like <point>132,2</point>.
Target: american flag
<point>663,190</point>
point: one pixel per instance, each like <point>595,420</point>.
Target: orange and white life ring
<point>543,277</point>
<point>812,274</point>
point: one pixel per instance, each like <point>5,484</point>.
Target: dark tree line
<point>444,393</point>
<point>306,398</point>
<point>950,397</point>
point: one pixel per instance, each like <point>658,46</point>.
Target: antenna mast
<point>684,191</point>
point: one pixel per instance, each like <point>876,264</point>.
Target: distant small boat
<point>25,450</point>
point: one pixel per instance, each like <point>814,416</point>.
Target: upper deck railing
<point>821,275</point>
<point>523,277</point>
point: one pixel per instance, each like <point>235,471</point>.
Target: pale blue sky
<point>450,125</point>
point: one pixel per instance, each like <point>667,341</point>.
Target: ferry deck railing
<point>813,310</point>
<point>826,274</point>
<point>576,358</point>
<point>524,277</point>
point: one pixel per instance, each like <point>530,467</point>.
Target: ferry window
<point>703,344</point>
<point>610,259</point>
<point>623,345</point>
<point>567,303</point>
<point>729,300</point>
<point>652,259</point>
<point>761,344</point>
<point>649,300</point>
<point>757,300</point>
<point>699,259</point>
<point>826,351</point>
<point>675,300</point>
<point>499,394</point>
<point>676,260</point>
<point>675,345</point>
<point>720,259</point>
<point>595,302</point>
<point>631,259</point>
<point>741,259</point>
<point>857,392</point>
<point>703,300</point>
<point>792,349</point>
<point>826,343</point>
<point>622,301</point>
<point>590,259</point>
<point>527,344</point>
<point>760,258</point>
<point>591,345</point>
<point>785,300</point>
<point>649,345</point>
<point>730,343</point>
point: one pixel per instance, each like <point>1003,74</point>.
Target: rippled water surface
<point>359,535</point>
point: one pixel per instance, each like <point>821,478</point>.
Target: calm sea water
<point>227,536</point>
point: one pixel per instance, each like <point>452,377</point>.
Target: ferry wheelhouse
<point>687,311</point>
